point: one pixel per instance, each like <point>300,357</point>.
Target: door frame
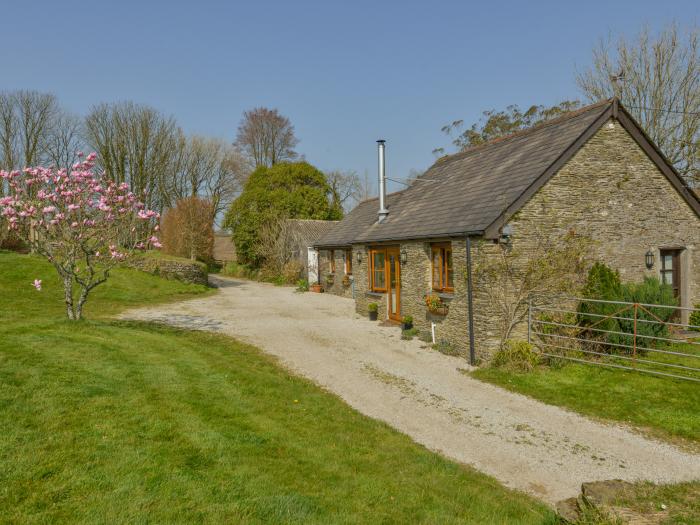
<point>677,276</point>
<point>676,270</point>
<point>395,253</point>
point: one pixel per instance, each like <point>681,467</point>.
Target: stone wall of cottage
<point>363,296</point>
<point>611,192</point>
<point>416,283</point>
<point>340,283</point>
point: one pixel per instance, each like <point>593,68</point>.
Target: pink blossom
<point>37,284</point>
<point>79,217</point>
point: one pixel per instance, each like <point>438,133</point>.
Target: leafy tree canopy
<point>293,190</point>
<point>494,124</point>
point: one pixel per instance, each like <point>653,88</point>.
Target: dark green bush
<point>604,284</point>
<point>293,190</point>
<point>694,319</point>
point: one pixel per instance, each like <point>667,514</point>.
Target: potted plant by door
<point>435,304</point>
<point>330,279</point>
<point>373,309</point>
<point>346,281</point>
<point>316,288</point>
<point>407,322</point>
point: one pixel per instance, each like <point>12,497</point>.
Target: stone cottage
<point>593,171</point>
<point>300,237</point>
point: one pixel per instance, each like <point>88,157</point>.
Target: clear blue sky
<point>345,73</point>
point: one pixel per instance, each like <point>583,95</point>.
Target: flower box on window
<point>435,305</point>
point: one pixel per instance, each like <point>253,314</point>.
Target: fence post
<point>634,344</point>
<point>529,320</point>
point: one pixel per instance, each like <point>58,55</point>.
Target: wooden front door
<point>394,289</point>
<point>671,271</point>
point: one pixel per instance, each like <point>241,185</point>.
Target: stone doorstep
<point>603,495</point>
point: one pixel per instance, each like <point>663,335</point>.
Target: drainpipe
<point>470,302</point>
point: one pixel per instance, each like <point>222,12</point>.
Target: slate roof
<point>359,219</point>
<point>470,192</point>
<point>308,231</point>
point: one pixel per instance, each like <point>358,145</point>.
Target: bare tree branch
<point>65,140</point>
<point>266,137</point>
<point>346,189</point>
<point>137,145</point>
<point>658,80</point>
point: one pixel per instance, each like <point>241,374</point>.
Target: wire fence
<point>647,338</point>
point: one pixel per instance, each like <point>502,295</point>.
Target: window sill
<point>375,294</point>
<point>444,295</point>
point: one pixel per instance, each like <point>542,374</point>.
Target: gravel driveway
<point>524,443</point>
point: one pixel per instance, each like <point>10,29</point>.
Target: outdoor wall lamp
<point>649,259</point>
<point>359,256</point>
<point>404,257</point>
<point>506,235</point>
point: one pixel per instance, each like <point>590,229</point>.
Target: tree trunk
<point>68,291</point>
<point>81,302</point>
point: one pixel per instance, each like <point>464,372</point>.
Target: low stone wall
<point>182,270</point>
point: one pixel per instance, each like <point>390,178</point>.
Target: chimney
<point>383,212</point>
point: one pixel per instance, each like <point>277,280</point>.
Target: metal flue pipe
<point>383,212</point>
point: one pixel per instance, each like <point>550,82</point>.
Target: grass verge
<point>666,408</point>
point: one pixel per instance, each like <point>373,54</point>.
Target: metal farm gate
<point>647,338</point>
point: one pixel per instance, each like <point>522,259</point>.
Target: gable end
<point>620,114</point>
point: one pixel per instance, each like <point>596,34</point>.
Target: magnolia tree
<point>81,222</point>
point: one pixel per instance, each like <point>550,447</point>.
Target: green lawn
<point>682,501</point>
<point>19,301</point>
<point>667,408</point>
<point>106,421</point>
